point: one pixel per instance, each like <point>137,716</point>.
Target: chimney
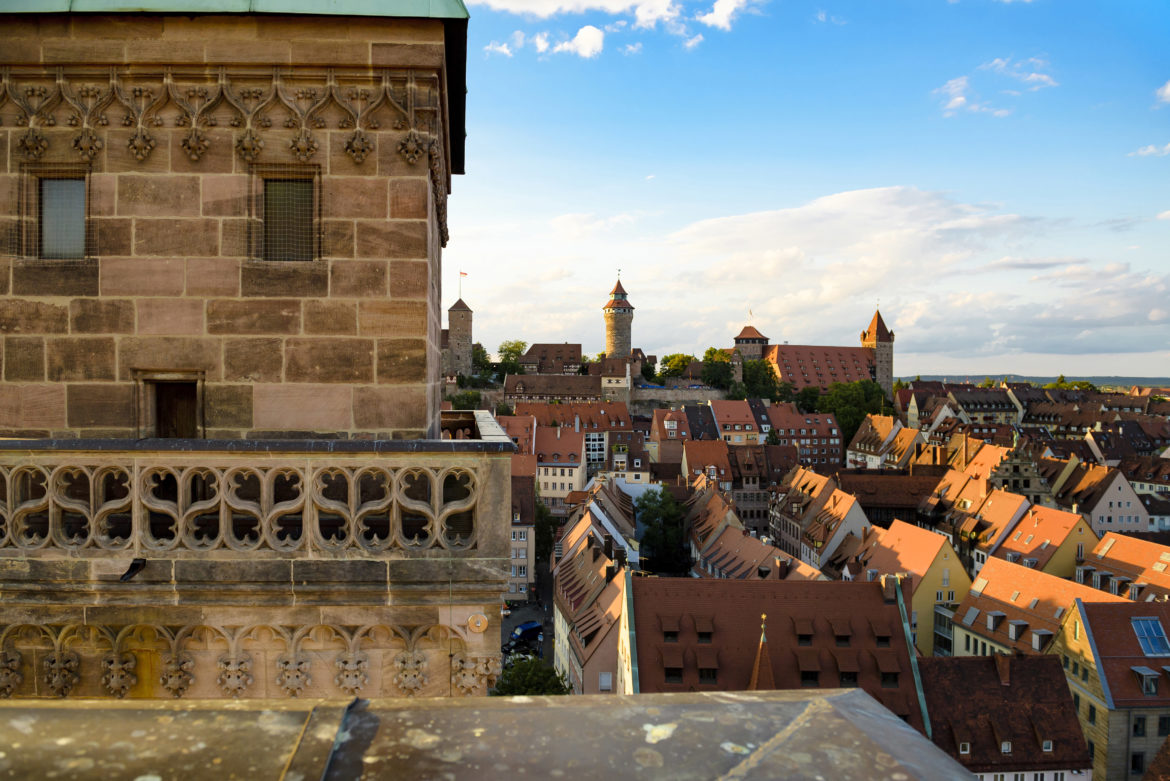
<point>576,422</point>
<point>620,554</point>
<point>889,588</point>
<point>610,572</point>
<point>763,572</point>
<point>1003,666</point>
<point>609,547</point>
<point>781,568</point>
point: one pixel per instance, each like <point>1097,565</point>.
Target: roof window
<point>1151,636</point>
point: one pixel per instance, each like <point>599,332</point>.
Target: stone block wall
<point>174,122</point>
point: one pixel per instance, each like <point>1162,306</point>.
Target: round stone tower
<point>619,317</point>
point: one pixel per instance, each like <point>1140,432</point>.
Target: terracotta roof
<point>750,332</point>
<point>1146,469</point>
<point>734,553</point>
<point>459,306</point>
<point>570,386</point>
<point>1040,532</point>
<point>699,455</point>
<point>524,499</point>
<point>1143,562</point>
<point>986,461</point>
<point>877,330</point>
<point>592,416</point>
<point>821,366</point>
<point>1112,634</point>
<point>984,701</point>
<point>822,611</point>
<point>523,464</point>
<point>901,548</point>
<point>886,488</point>
<point>731,413</point>
<point>618,289</point>
<point>559,445</point>
<point>520,429</point>
<point>1005,593</point>
<point>873,433</point>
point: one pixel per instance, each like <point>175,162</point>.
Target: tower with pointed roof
<point>459,339</point>
<point>751,343</point>
<point>881,340</point>
<point>619,318</point>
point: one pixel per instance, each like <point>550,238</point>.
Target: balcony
<point>251,559</point>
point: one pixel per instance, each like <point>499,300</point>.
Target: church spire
<point>762,679</point>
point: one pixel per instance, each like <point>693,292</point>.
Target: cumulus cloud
<point>1163,92</point>
<point>822,17</point>
<point>647,12</point>
<point>721,13</point>
<point>1151,150</point>
<point>691,43</point>
<point>632,48</point>
<point>1164,215</point>
<point>495,47</point>
<point>956,96</point>
<point>587,43</point>
<point>540,42</point>
<point>1029,71</point>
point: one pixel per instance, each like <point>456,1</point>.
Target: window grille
<point>285,214</point>
<point>53,217</point>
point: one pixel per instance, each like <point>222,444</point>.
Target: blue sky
<point>995,174</point>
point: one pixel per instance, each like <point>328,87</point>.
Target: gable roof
<point>901,548</point>
<point>1143,562</point>
<point>877,330</point>
<point>985,701</point>
<point>1040,532</point>
<point>1114,641</point>
<point>750,332</point>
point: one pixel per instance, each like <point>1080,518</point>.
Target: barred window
<point>53,213</point>
<point>286,211</point>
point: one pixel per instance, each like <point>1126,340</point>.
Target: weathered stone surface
<point>392,239</point>
<point>328,317</point>
<point>358,279</point>
<point>55,278</point>
<point>158,196</point>
<point>65,52</point>
<point>213,277</point>
<point>103,195</point>
<point>409,278</point>
<point>402,360</point>
<point>290,278</point>
<point>409,198</point>
<point>142,277</point>
<point>170,316</point>
<point>101,404</point>
<point>390,408</point>
<point>227,405</point>
<point>218,158</point>
<point>274,316</point>
<point>225,195</point>
<point>312,407</point>
<point>392,318</point>
<point>24,359</point>
<point>119,158</point>
<point>101,316</point>
<point>253,360</point>
<point>234,238</point>
<point>338,239</point>
<point>176,238</point>
<point>329,360</point>
<point>32,406</point>
<point>355,196</point>
<point>412,55</point>
<point>18,316</point>
<point>113,236</point>
<point>180,353</point>
<point>84,359</point>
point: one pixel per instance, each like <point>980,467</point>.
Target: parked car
<point>529,630</point>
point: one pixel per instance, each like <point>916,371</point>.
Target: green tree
<point>987,383</point>
<point>715,355</point>
<point>648,372</point>
<point>664,543</point>
<point>468,399</point>
<point>773,437</point>
<point>502,408</point>
<point>675,364</point>
<point>850,402</point>
<point>481,362</point>
<point>807,398</point>
<point>899,385</point>
<point>530,677</point>
<point>1063,384</point>
<point>546,531</point>
<point>759,379</point>
<point>717,374</point>
<point>509,354</point>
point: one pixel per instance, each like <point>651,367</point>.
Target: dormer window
<point>964,748</point>
<point>1046,747</point>
<point>1005,747</point>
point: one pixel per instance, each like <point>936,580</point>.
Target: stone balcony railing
<point>254,568</point>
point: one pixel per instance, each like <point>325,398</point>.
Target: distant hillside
<point>1100,382</point>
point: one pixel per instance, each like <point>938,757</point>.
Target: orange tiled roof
<point>877,330</point>
<point>1039,533</point>
<point>1143,562</point>
<point>805,365</point>
<point>1111,633</point>
<point>750,332</point>
<point>901,548</point>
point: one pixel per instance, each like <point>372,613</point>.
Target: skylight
<point>1151,636</point>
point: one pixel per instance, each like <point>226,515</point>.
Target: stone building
<point>456,341</point>
<point>226,472</point>
<point>619,317</point>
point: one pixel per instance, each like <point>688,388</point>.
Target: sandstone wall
<point>344,345</point>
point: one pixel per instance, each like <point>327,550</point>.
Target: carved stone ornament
<point>195,144</point>
<point>176,673</point>
<point>352,672</point>
<point>32,144</point>
<point>235,673</point>
<point>140,144</point>
<point>250,146</point>
<point>88,144</point>
<point>118,673</point>
<point>293,674</point>
<point>412,147</point>
<point>359,146</point>
<point>410,672</point>
<point>303,146</point>
<point>472,674</point>
<point>61,672</point>
<point>10,676</point>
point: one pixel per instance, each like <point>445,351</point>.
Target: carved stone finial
<point>87,144</point>
<point>352,672</point>
<point>33,144</point>
<point>249,146</point>
<point>412,147</point>
<point>10,677</point>
<point>358,146</point>
<point>235,673</point>
<point>195,143</point>
<point>303,145</point>
<point>118,673</point>
<point>472,674</point>
<point>176,674</point>
<point>410,672</point>
<point>293,673</point>
<point>140,144</point>
<point>61,672</point>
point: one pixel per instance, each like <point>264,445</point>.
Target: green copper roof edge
<point>424,9</point>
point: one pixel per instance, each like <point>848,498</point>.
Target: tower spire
<point>762,679</point>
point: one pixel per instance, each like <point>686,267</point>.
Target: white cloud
<point>632,48</point>
<point>647,12</point>
<point>1163,92</point>
<point>588,42</point>
<point>691,43</point>
<point>1151,150</point>
<point>1029,71</point>
<point>495,47</point>
<point>721,13</point>
<point>540,42</point>
<point>822,17</point>
<point>1164,215</point>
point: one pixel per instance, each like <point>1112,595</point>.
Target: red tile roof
<point>1112,634</point>
<point>822,611</point>
<point>877,330</point>
<point>1040,532</point>
<point>1143,562</point>
<point>750,332</point>
<point>804,365</point>
<point>984,701</point>
<point>901,548</point>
